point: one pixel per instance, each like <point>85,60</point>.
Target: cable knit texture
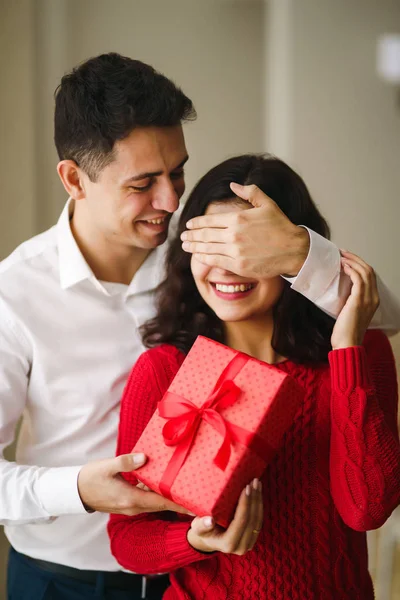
<point>336,475</point>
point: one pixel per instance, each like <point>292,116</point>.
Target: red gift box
<point>216,428</point>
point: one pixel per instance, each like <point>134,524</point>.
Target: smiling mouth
<point>233,288</point>
<point>158,221</point>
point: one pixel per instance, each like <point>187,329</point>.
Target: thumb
<point>252,194</point>
<point>127,462</point>
<point>202,525</point>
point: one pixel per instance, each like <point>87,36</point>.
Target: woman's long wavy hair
<point>302,332</point>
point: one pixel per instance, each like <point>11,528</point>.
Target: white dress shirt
<point>67,344</point>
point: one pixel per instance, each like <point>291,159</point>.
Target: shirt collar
<point>151,273</point>
<point>74,268</point>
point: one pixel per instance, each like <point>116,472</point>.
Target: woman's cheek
<point>199,270</point>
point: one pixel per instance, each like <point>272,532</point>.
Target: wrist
<point>196,543</point>
<point>346,343</point>
<point>86,506</point>
<point>299,249</point>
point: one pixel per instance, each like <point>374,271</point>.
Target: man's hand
<point>258,243</point>
<point>240,537</point>
<point>102,488</point>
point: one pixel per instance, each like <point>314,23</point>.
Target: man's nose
<point>166,197</point>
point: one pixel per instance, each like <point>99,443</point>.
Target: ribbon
<point>184,419</point>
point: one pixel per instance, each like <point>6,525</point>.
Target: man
<point>71,302</point>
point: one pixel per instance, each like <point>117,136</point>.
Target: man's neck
<point>109,262</point>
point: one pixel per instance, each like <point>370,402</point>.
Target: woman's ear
<point>72,179</point>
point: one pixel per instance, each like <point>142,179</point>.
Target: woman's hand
<point>242,533</point>
<point>361,305</point>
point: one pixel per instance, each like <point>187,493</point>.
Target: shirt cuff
<point>320,268</point>
<point>57,490</point>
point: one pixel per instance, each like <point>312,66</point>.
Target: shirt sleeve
<point>149,543</point>
<point>365,450</point>
<point>324,283</point>
<point>28,494</point>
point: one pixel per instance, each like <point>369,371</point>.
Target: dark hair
<point>102,100</point>
<point>301,331</point>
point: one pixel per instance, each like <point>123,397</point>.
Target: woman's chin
<point>232,316</point>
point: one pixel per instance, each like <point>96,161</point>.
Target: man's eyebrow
<point>150,174</point>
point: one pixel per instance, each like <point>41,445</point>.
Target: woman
<point>337,473</point>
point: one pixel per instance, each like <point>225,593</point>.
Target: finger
<point>203,525</point>
<point>217,260</point>
<point>252,194</point>
<point>152,502</point>
<point>210,248</point>
<point>219,221</point>
<point>370,286</point>
<point>234,533</point>
<point>355,257</point>
<point>365,291</point>
<point>207,234</point>
<point>126,463</point>
<point>250,533</point>
<point>368,269</point>
<point>259,515</point>
<point>364,270</point>
<point>144,487</point>
<point>358,287</point>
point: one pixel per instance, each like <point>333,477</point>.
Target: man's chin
<point>155,240</point>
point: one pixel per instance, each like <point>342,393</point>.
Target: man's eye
<point>177,174</point>
<point>142,188</point>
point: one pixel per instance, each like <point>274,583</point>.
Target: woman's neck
<point>253,337</point>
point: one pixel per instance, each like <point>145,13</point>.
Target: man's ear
<point>72,179</point>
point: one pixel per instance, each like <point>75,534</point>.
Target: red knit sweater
<point>336,476</point>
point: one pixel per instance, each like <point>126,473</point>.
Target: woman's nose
<point>222,272</point>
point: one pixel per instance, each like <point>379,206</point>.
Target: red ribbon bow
<point>184,419</point>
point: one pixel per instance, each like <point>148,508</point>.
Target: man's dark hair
<point>302,332</point>
<point>102,100</point>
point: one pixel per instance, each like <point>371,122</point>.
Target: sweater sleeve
<point>365,451</point>
<point>151,542</point>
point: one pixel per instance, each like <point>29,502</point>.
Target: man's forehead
<point>149,149</point>
<point>144,142</point>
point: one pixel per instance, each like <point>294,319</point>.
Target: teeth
<point>231,289</point>
<point>156,221</point>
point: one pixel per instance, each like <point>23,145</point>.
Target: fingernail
<point>184,236</point>
<point>248,490</point>
<point>186,245</point>
<point>208,521</point>
<point>255,484</point>
<point>138,458</point>
<point>189,224</point>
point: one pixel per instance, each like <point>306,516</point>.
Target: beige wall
<point>17,109</point>
<point>298,79</point>
<point>346,124</point>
